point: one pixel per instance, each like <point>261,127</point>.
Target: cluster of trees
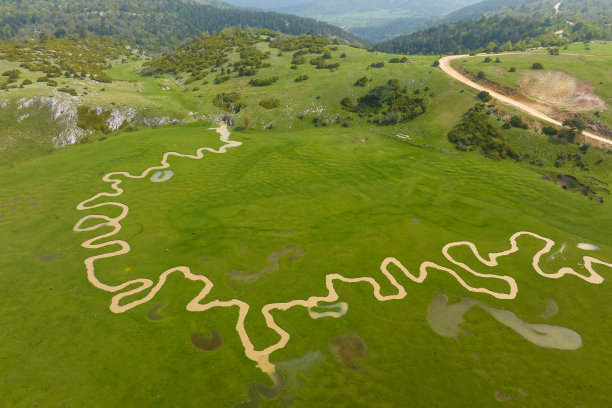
<point>67,57</point>
<point>151,24</point>
<point>498,33</point>
<point>478,132</point>
<point>312,44</point>
<point>208,52</point>
<point>389,104</point>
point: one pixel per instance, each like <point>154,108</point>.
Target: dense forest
<point>497,33</point>
<point>150,24</point>
<point>513,27</point>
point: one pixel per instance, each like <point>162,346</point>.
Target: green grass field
<point>349,198</point>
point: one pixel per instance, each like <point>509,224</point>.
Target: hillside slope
<point>151,24</point>
<point>531,24</point>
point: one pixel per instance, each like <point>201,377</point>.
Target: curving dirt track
<point>445,65</point>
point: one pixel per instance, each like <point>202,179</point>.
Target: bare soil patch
<point>560,89</point>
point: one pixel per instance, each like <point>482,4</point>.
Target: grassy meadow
<point>349,197</point>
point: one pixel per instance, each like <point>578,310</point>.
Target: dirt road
<point>445,65</point>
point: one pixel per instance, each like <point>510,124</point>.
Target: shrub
<point>394,60</point>
<point>269,103</point>
<point>51,83</point>
<point>343,55</point>
<point>91,119</point>
<point>549,130</point>
<point>263,81</point>
<point>484,96</point>
<point>506,126</point>
<point>221,79</point>
<point>301,78</point>
<point>348,103</point>
<point>377,64</point>
<point>497,60</point>
<point>229,102</point>
<point>102,78</point>
<point>436,63</point>
<point>12,74</point>
<point>481,75</point>
<point>26,82</point>
<point>476,132</point>
<point>363,81</point>
<point>517,122</point>
<point>70,91</point>
<point>42,79</point>
<point>537,65</point>
<point>487,60</point>
<point>512,69</point>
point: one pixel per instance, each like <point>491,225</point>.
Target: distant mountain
<point>402,26</point>
<point>516,25</point>
<point>354,14</point>
<point>151,24</point>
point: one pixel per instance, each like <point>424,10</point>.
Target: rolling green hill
<point>151,24</point>
<point>319,254</point>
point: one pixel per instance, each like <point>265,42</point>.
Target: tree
<point>60,33</point>
<point>554,51</point>
<point>484,96</point>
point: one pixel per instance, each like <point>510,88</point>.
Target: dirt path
<point>445,65</point>
<point>148,288</point>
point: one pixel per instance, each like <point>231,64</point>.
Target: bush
<point>269,103</point>
<point>12,74</point>
<point>436,63</point>
<point>484,96</point>
<point>512,69</point>
<point>481,75</point>
<point>506,126</point>
<point>343,55</point>
<point>517,122</point>
<point>348,103</point>
<point>51,83</point>
<point>220,79</point>
<point>537,65</point>
<point>263,81</point>
<point>497,60</point>
<point>102,78</point>
<point>90,119</point>
<point>26,82</point>
<point>229,102</point>
<point>70,91</point>
<point>476,132</point>
<point>487,60</point>
<point>363,81</point>
<point>377,64</point>
<point>549,130</point>
<point>301,78</point>
<point>42,79</point>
